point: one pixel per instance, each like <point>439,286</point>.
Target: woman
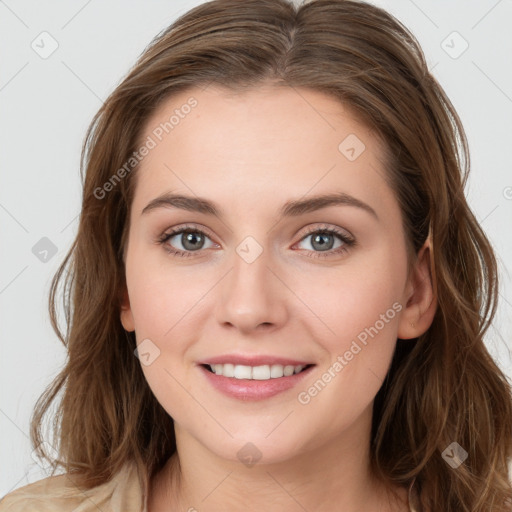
<point>278,291</point>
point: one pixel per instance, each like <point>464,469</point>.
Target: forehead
<point>267,142</point>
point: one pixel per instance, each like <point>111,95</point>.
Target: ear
<point>126,312</point>
<point>419,299</point>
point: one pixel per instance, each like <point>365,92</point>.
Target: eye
<point>323,241</point>
<point>190,238</point>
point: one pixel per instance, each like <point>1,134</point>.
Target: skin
<point>250,153</point>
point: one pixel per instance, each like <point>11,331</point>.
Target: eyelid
<point>169,232</point>
<point>330,228</point>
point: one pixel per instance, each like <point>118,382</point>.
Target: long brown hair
<point>442,387</point>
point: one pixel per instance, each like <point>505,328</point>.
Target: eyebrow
<point>292,208</point>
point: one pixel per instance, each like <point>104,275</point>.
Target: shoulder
<point>52,493</point>
<point>123,493</point>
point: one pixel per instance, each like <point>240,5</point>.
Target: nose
<point>252,297</point>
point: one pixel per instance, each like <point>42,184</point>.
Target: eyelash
<point>348,242</point>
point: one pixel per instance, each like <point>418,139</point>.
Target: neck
<point>328,477</point>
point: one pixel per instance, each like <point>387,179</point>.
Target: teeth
<point>228,370</point>
<point>260,372</point>
<point>264,372</point>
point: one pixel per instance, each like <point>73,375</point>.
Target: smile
<point>251,383</point>
<point>262,372</point>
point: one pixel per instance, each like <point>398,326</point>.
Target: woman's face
<point>257,282</point>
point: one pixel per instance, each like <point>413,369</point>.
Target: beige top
<point>124,493</point>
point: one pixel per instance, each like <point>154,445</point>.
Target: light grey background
<point>46,105</point>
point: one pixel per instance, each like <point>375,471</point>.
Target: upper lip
<point>253,360</point>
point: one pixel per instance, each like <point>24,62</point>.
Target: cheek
<point>162,302</point>
<point>161,295</point>
<point>366,321</point>
<point>166,300</point>
<point>350,299</point>
<point>361,307</point>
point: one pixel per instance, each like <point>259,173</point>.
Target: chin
<point>252,447</point>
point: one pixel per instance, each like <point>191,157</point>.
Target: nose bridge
<point>250,276</point>
<point>250,293</point>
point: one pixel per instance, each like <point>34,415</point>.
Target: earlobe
<point>126,313</point>
<point>419,299</point>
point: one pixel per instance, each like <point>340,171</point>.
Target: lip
<point>254,360</point>
<point>253,390</point>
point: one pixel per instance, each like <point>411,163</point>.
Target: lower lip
<point>249,389</point>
